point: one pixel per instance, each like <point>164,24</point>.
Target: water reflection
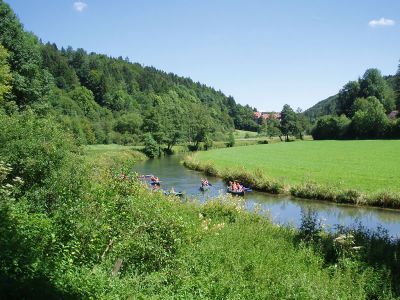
<point>283,209</point>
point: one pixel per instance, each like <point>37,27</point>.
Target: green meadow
<point>367,166</point>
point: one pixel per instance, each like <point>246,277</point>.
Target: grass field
<point>368,166</point>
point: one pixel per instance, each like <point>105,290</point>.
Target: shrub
<point>151,148</point>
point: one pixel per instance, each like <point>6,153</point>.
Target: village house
<point>267,115</point>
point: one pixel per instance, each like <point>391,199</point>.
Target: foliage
<point>369,119</point>
<point>151,148</point>
<point>30,82</point>
<point>102,99</point>
<point>371,86</point>
<point>5,74</point>
<point>331,127</point>
<point>270,127</point>
<point>288,125</point>
<point>38,150</point>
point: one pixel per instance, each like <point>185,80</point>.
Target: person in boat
<point>234,186</point>
<point>204,182</point>
<point>154,179</point>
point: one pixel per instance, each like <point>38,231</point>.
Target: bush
<point>45,157</point>
<point>330,128</point>
<point>151,148</point>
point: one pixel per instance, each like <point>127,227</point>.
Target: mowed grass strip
<point>368,166</point>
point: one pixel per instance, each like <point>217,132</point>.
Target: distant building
<point>267,115</point>
<point>257,114</point>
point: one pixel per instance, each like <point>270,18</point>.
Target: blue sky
<point>264,53</point>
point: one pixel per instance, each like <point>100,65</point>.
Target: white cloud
<point>79,6</point>
<point>381,22</point>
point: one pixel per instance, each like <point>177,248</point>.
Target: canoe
<point>204,188</point>
<point>241,193</point>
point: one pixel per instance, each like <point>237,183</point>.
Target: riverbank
<point>112,238</point>
<point>219,250</point>
<point>353,172</point>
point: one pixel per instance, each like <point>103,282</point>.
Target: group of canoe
<point>234,187</point>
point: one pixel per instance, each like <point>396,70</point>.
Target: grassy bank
<point>357,172</point>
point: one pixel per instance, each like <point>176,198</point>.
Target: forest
<point>102,99</point>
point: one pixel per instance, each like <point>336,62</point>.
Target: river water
<point>283,209</point>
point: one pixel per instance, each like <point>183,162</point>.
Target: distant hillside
<point>103,99</point>
<point>322,108</point>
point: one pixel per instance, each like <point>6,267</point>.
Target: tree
<point>397,87</point>
<point>151,148</point>
<point>303,124</point>
<point>270,127</point>
<point>30,81</point>
<point>374,85</point>
<point>199,124</point>
<point>346,97</point>
<point>370,120</point>
<point>288,124</point>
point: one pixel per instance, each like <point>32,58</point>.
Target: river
<point>283,209</point>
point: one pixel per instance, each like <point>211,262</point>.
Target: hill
<point>103,99</point>
<point>322,108</point>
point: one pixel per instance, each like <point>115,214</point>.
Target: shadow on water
<point>282,208</point>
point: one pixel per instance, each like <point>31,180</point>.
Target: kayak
<point>155,183</point>
<point>237,193</point>
<point>204,188</point>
